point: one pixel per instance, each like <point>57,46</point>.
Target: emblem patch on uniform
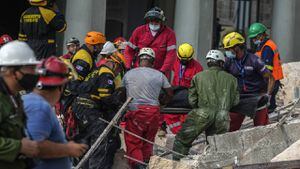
<point>110,82</point>
<point>78,67</point>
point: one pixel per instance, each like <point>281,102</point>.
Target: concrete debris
<point>291,153</point>
<point>157,162</point>
<point>291,82</point>
<point>228,149</point>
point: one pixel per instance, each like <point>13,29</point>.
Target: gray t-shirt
<point>144,84</point>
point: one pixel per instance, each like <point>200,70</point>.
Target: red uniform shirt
<point>184,75</point>
<point>164,47</point>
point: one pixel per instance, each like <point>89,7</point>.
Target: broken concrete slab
<point>158,162</point>
<point>289,154</point>
<point>291,82</point>
<point>261,144</point>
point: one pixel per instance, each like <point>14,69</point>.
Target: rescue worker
<point>17,72</point>
<point>5,39</point>
<point>212,93</point>
<point>107,50</point>
<point>42,123</point>
<point>267,50</point>
<point>154,34</point>
<point>253,77</point>
<point>98,99</point>
<point>184,68</point>
<point>38,26</point>
<point>73,46</point>
<point>120,44</point>
<point>84,60</point>
<point>143,84</point>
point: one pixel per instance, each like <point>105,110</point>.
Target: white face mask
<point>153,27</point>
<point>257,42</point>
<point>230,54</point>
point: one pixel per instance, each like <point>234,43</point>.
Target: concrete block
<point>289,154</point>
<point>158,162</point>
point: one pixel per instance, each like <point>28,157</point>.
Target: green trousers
<point>199,120</point>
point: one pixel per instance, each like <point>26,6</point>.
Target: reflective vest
<point>276,68</point>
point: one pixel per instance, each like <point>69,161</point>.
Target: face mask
<point>28,81</point>
<point>153,27</point>
<point>257,42</point>
<point>230,54</point>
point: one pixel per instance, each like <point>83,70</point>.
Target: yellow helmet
<point>185,51</point>
<point>38,2</point>
<point>232,39</point>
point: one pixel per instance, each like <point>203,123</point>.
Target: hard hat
<point>185,51</point>
<point>17,53</point>
<point>38,2</point>
<point>108,48</point>
<point>147,51</point>
<point>232,39</point>
<point>215,55</point>
<point>53,72</point>
<point>256,29</point>
<point>120,43</point>
<point>94,38</point>
<point>73,40</point>
<point>5,39</point>
<point>155,13</point>
<point>119,39</point>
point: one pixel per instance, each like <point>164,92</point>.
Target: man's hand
<point>29,148</point>
<point>75,149</point>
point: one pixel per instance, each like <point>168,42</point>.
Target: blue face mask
<point>230,54</point>
<point>154,27</point>
<point>257,42</point>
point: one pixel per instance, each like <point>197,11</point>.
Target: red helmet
<point>53,72</point>
<point>119,39</point>
<point>5,39</point>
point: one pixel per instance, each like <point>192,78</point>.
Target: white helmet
<point>108,48</point>
<point>147,51</point>
<point>216,55</point>
<point>17,53</point>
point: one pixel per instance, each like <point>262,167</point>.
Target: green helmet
<point>256,29</point>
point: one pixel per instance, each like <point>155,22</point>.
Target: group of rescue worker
<point>91,82</point>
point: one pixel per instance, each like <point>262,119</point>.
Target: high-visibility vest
<point>276,68</point>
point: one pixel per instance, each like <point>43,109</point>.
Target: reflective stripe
<point>22,35</point>
<point>104,95</point>
<point>51,41</point>
<point>95,97</point>
<point>171,47</point>
<point>263,69</point>
<point>131,45</point>
<point>174,125</point>
<point>103,90</point>
<point>269,67</point>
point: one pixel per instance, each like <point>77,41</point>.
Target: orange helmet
<point>94,38</point>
